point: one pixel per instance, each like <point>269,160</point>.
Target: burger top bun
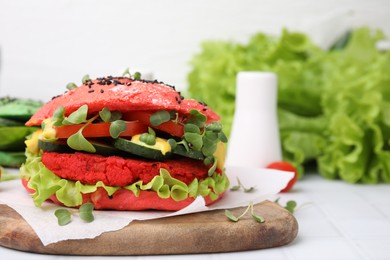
<point>121,94</point>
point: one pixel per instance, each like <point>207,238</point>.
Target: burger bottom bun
<point>124,199</point>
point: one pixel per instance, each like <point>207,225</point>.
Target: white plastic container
<point>255,140</point>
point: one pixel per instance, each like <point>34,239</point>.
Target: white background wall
<point>45,44</point>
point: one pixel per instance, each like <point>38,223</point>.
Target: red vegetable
<point>100,129</point>
<point>285,166</point>
<point>144,117</point>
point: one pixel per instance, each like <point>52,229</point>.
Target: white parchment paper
<point>267,183</point>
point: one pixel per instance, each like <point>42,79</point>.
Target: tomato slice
<point>100,129</point>
<point>169,127</point>
<point>285,166</point>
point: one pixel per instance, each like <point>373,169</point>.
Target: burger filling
<point>176,156</point>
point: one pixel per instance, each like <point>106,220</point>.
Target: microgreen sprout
<point>148,138</point>
<point>117,127</point>
<point>160,117</point>
<point>85,212</point>
<point>64,216</point>
<point>85,79</point>
<point>78,142</point>
<point>203,137</point>
<point>136,76</point>
<point>250,208</point>
<point>71,86</point>
<point>239,186</point>
<point>77,117</point>
<point>290,205</point>
<point>172,142</point>
<point>213,167</point>
<point>126,72</point>
<point>105,114</point>
<point>58,116</point>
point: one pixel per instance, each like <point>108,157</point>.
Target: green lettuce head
<point>332,104</point>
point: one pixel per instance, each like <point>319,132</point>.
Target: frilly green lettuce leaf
<point>333,105</point>
<point>45,183</point>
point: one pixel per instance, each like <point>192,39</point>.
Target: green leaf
<point>77,117</point>
<point>71,86</point>
<point>290,206</point>
<point>85,212</point>
<point>63,216</point>
<point>148,139</point>
<point>137,75</point>
<point>235,188</point>
<point>115,115</point>
<point>222,137</point>
<point>126,72</point>
<point>230,216</point>
<point>256,217</point>
<point>151,131</point>
<point>250,189</point>
<point>117,127</point>
<point>105,114</point>
<point>214,167</point>
<point>239,186</point>
<point>160,117</point>
<point>215,127</point>
<point>172,143</point>
<point>191,128</point>
<point>195,140</point>
<point>58,116</point>
<point>208,160</point>
<point>78,142</point>
<point>209,145</point>
<point>85,79</point>
<point>197,118</point>
<point>185,144</point>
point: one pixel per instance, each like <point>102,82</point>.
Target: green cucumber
<point>61,147</point>
<point>140,150</point>
<point>104,148</point>
<point>57,146</point>
<point>182,151</point>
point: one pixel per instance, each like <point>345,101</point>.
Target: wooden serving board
<point>205,232</point>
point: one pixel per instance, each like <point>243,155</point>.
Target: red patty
<point>118,171</point>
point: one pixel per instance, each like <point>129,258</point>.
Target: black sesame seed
<point>101,91</point>
<point>91,90</point>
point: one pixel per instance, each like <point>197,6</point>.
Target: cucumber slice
<point>61,147</point>
<point>140,150</point>
<point>182,151</point>
<point>104,148</point>
<point>57,146</point>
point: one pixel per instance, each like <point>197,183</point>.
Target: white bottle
<point>255,140</point>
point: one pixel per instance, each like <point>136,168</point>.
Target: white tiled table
<point>336,220</point>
